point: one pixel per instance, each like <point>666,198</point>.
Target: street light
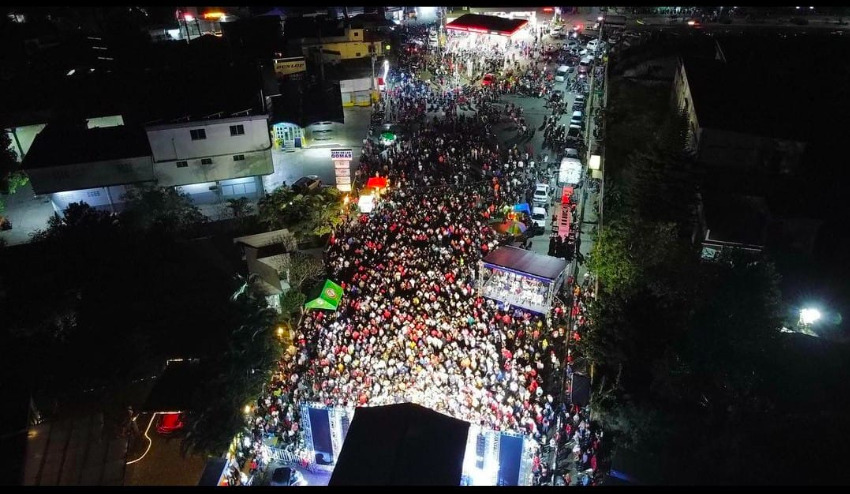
<point>809,316</point>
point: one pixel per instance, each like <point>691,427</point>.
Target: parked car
<point>561,73</point>
<point>595,44</point>
<point>538,217</point>
<point>307,184</point>
<point>577,118</point>
<point>574,133</point>
<point>571,153</point>
<point>541,194</point>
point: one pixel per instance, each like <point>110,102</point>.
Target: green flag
<point>327,295</point>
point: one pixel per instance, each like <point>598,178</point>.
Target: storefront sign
<point>342,168</point>
<point>291,65</point>
<point>342,154</point>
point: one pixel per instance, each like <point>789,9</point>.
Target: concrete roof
<point>74,452</point>
<point>60,144</point>
<point>736,218</point>
<point>263,239</point>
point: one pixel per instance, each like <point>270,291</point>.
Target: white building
<point>215,159</point>
<point>212,160</point>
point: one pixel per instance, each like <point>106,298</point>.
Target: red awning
<point>477,23</point>
<point>377,183</point>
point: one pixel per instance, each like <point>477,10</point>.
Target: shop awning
<point>325,296</point>
<point>486,24</point>
<point>377,182</point>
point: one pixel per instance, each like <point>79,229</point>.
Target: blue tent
<point>523,207</point>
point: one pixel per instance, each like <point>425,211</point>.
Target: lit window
<point>93,193</point>
<point>182,164</point>
<point>206,161</point>
<point>198,134</point>
<point>239,157</point>
<point>237,130</point>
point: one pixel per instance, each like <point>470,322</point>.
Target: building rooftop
<point>275,237</point>
<point>62,144</point>
<point>771,85</point>
<point>735,218</point>
<point>486,24</point>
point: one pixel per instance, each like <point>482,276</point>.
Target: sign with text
<point>291,65</point>
<point>342,168</point>
<point>342,154</point>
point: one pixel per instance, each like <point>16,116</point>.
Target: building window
<point>198,134</point>
<point>357,54</point>
<point>182,164</point>
<point>356,33</point>
<point>237,130</point>
<point>239,157</point>
<point>206,161</point>
<point>93,193</point>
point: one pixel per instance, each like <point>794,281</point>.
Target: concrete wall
<point>356,92</point>
<point>684,101</point>
<point>22,138</point>
<point>97,197</point>
<point>222,168</point>
<point>174,142</point>
<point>91,175</point>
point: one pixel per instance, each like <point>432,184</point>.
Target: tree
<point>11,175</point>
<point>309,215</point>
<point>291,302</point>
<point>302,268</point>
<point>240,207</point>
<point>80,221</point>
<point>162,209</point>
<point>235,378</point>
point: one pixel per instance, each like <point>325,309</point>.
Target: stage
<point>491,457</point>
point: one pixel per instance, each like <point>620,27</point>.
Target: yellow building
<point>353,44</point>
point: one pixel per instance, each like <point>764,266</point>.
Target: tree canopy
<point>684,349</point>
<point>311,214</point>
<point>11,175</point>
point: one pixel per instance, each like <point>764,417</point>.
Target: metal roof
<point>491,24</point>
<point>527,262</point>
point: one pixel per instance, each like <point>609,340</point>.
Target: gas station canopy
<point>487,24</point>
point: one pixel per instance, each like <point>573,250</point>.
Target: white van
<point>570,172</point>
<point>561,73</point>
<point>538,217</point>
<point>541,195</point>
<point>593,44</point>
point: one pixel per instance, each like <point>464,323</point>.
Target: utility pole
<point>321,52</point>
<point>374,57</point>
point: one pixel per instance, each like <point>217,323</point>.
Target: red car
<point>169,423</point>
<point>488,79</point>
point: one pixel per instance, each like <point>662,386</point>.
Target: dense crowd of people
<point>412,327</point>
